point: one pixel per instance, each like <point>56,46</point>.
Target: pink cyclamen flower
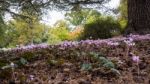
<point>113,43</point>
<point>31,77</point>
<point>135,58</point>
<point>130,39</point>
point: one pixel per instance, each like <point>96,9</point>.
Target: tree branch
<point>13,13</point>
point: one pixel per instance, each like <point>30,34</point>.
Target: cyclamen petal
<point>31,77</point>
<point>113,43</point>
<point>135,58</point>
<point>131,44</point>
<point>130,39</point>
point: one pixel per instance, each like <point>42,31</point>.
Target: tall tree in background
<point>81,16</point>
<point>20,33</point>
<point>138,17</point>
<point>2,31</point>
<point>39,5</point>
<point>58,33</point>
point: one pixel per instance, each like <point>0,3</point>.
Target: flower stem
<point>138,69</point>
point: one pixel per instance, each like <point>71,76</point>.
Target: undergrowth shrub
<point>21,62</point>
<point>101,28</point>
<point>76,33</point>
<point>100,61</point>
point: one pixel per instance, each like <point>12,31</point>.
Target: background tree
<point>123,17</point>
<point>38,5</point>
<point>138,11</point>
<point>101,28</point>
<point>23,34</point>
<point>92,24</point>
<point>77,18</point>
<point>138,17</point>
<point>78,15</point>
<point>58,33</point>
<point>3,28</point>
<point>76,33</point>
<point>123,9</point>
<point>81,16</point>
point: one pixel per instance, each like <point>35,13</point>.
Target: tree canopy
<point>82,16</point>
<point>38,5</point>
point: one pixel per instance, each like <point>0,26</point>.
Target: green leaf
<point>5,67</point>
<point>95,55</point>
<point>86,66</point>
<point>115,71</point>
<point>103,60</point>
<point>109,65</point>
<point>23,61</point>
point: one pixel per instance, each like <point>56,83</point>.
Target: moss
<point>3,63</point>
<point>57,62</point>
<point>22,79</point>
<point>28,56</point>
<point>52,62</point>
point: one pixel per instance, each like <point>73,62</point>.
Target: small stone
<point>66,70</point>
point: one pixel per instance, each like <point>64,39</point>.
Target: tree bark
<point>138,17</point>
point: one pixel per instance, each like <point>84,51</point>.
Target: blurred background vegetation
<point>79,24</point>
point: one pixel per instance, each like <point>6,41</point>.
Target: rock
<point>66,69</point>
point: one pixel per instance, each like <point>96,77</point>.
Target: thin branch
<point>13,13</point>
<point>86,2</point>
<point>33,6</point>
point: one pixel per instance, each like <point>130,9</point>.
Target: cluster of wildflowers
<point>140,37</point>
<point>129,41</point>
<point>113,43</point>
<point>83,44</point>
<point>32,46</point>
<point>69,44</point>
<point>26,48</point>
<point>78,49</point>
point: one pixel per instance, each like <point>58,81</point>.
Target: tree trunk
<point>138,17</point>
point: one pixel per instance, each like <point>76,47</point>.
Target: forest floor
<point>87,62</point>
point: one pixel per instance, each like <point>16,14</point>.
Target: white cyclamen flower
<point>12,64</point>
